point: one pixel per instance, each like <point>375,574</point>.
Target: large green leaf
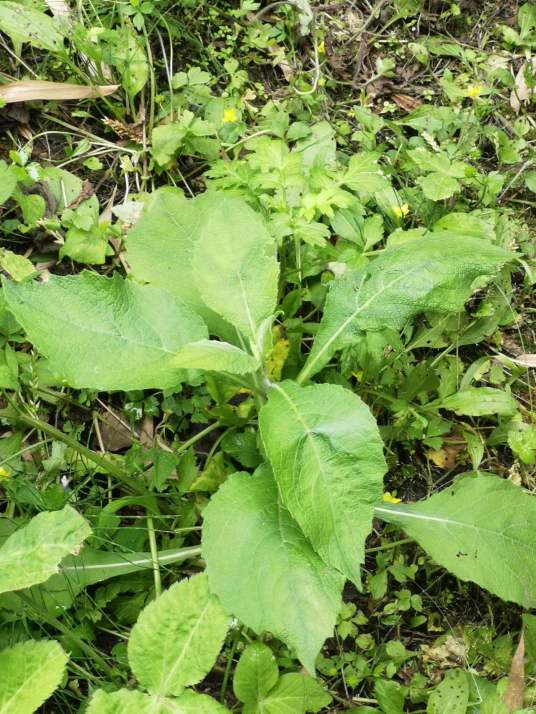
<point>327,455</point>
<point>451,695</point>
<point>30,672</point>
<point>478,401</point>
<point>159,247</point>
<point>264,570</point>
<point>105,333</point>
<point>177,637</point>
<point>32,554</point>
<point>234,263</point>
<point>431,274</point>
<point>216,356</point>
<point>128,701</point>
<point>483,529</point>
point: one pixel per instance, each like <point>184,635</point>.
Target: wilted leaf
<point>515,689</point>
<point>32,90</point>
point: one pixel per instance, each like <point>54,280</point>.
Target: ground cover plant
<point>266,361</point>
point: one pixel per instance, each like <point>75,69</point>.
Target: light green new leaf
<point>30,672</point>
<point>177,637</point>
<point>105,333</point>
<point>264,570</point>
<point>438,187</point>
<point>478,401</point>
<point>22,23</point>
<point>32,554</point>
<point>483,529</point>
<point>215,356</point>
<point>327,455</point>
<point>364,174</point>
<point>234,263</point>
<point>8,181</point>
<point>159,249</point>
<point>256,673</point>
<point>128,701</point>
<point>294,693</point>
<point>433,274</point>
<point>451,695</point>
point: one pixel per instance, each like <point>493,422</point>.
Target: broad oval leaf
<point>128,701</point>
<point>294,693</point>
<point>451,695</point>
<point>431,274</point>
<point>264,570</point>
<point>255,674</point>
<point>234,263</point>
<point>177,637</point>
<point>327,455</point>
<point>215,356</point>
<point>33,553</point>
<point>482,529</point>
<point>105,333</point>
<point>31,671</point>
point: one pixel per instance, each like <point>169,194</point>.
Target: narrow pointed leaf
<point>264,570</point>
<point>31,90</point>
<point>177,637</point>
<point>33,553</point>
<point>105,333</point>
<point>31,671</point>
<point>234,263</point>
<point>327,455</point>
<point>215,356</point>
<point>433,274</point>
<point>483,529</point>
<point>128,701</point>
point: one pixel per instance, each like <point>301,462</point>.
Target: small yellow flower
<point>473,91</point>
<point>389,498</point>
<point>401,211</point>
<point>4,474</point>
<point>230,115</point>
<point>322,48</point>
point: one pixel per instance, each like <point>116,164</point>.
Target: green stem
<point>105,464</point>
<point>229,664</point>
<point>197,437</point>
<point>388,546</point>
<point>154,557</point>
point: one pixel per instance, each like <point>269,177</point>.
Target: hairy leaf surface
<point>177,637</point>
<point>31,671</point>
<point>33,553</point>
<point>432,274</point>
<point>482,529</point>
<point>106,333</point>
<point>264,570</point>
<point>327,455</point>
<point>128,701</point>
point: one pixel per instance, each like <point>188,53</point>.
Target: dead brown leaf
<point>515,689</point>
<point>525,360</point>
<point>33,90</point>
<point>405,102</point>
<point>451,653</point>
<point>521,92</point>
<point>445,458</point>
<point>114,434</point>
<point>86,192</point>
